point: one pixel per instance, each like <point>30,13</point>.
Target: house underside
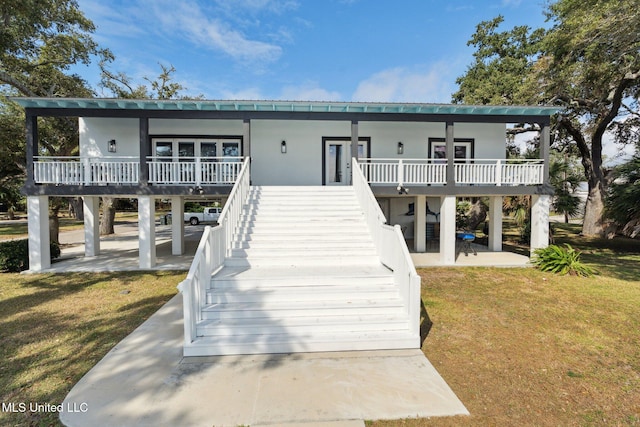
<point>312,190</point>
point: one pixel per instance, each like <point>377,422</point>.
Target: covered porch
<point>435,235</point>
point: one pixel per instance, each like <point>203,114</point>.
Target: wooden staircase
<point>303,276</point>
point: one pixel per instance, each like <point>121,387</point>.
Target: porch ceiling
<point>282,106</point>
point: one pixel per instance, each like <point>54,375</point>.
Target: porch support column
<point>539,221</point>
<point>31,145</point>
<point>449,145</point>
<point>147,231</point>
<point>354,148</point>
<point>91,225</point>
<point>145,150</point>
<point>545,143</point>
<point>420,223</point>
<point>246,138</point>
<point>38,228</point>
<point>354,140</point>
<point>448,230</point>
<point>177,226</point>
<point>495,223</point>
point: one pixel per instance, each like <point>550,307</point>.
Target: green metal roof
<point>281,106</point>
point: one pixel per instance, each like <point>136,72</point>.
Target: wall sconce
<point>197,190</point>
<point>400,148</point>
<point>283,147</point>
<point>112,146</point>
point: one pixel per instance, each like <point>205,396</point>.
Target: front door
<point>337,156</point>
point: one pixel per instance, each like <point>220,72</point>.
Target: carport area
<point>119,252</point>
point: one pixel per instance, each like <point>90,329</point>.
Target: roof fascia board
<point>289,115</point>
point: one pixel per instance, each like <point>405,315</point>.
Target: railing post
<point>499,173</point>
<point>400,173</point>
<point>198,172</point>
<point>87,171</point>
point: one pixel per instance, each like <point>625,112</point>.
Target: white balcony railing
<point>194,170</point>
<point>126,170</point>
<point>474,172</point>
<point>404,171</point>
<point>86,171</point>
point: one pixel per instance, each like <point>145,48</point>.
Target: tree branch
<point>581,143</point>
<point>15,83</point>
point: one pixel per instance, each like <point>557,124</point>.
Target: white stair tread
<point>297,272</point>
<point>288,343</point>
<point>332,320</point>
<point>304,305</point>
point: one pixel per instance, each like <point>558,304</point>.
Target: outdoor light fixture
<point>197,190</point>
<point>400,148</point>
<point>283,147</point>
<point>112,146</point>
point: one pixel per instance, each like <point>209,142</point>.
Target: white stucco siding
<point>489,138</point>
<point>96,132</point>
<point>195,127</point>
<point>414,136</point>
<point>302,164</point>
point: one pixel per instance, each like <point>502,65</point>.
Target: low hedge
<point>14,255</point>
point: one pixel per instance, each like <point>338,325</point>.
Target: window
<point>188,149</point>
<point>462,149</point>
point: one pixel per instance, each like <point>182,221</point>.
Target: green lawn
<point>54,328</point>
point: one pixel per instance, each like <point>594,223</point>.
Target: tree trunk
<point>76,208</point>
<point>594,209</point>
<point>54,226</point>
<point>477,214</point>
<point>108,216</point>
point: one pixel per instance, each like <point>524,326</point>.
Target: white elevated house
<point>310,251</point>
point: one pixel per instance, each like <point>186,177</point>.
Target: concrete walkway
<point>145,381</point>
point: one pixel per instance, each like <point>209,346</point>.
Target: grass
<point>18,229</point>
<point>54,328</point>
<point>522,347</point>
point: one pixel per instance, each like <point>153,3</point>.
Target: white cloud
<point>406,85</point>
<point>251,93</point>
<point>254,6</point>
<point>188,19</point>
<point>308,92</point>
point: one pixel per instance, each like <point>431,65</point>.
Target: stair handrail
<point>214,246</point>
<point>391,247</point>
<point>230,215</point>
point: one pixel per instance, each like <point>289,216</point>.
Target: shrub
<point>556,259</point>
<point>14,255</point>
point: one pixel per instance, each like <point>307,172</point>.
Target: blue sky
<point>321,50</point>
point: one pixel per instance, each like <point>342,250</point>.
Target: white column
<point>420,224</point>
<point>448,230</point>
<point>38,228</point>
<point>147,231</point>
<point>495,223</point>
<point>177,225</point>
<point>540,221</point>
<point>91,225</point>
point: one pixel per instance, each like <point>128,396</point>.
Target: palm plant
<point>564,178</point>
